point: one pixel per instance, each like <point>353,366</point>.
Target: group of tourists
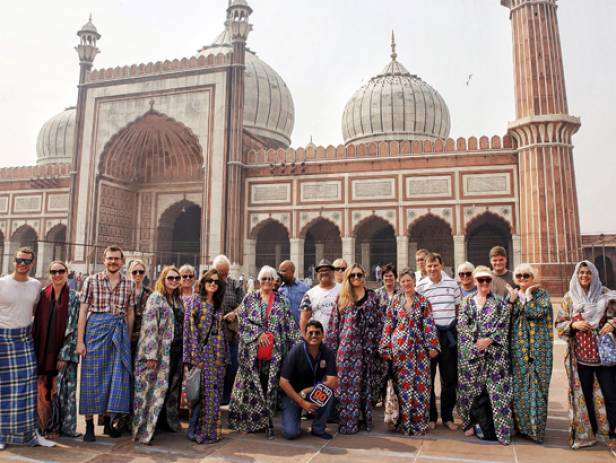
<point>332,352</point>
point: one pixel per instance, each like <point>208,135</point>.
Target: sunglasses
<point>465,274</point>
<point>22,261</point>
<point>314,334</point>
<point>482,280</point>
<point>340,269</point>
<point>266,279</point>
<point>188,277</point>
<point>523,276</point>
<point>61,271</point>
<point>172,278</point>
<point>214,281</point>
<point>138,272</point>
<point>356,275</point>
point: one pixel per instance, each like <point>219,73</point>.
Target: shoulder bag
<point>265,353</point>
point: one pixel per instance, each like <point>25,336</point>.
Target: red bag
<point>265,353</point>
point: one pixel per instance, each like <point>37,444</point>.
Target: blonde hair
<point>188,267</point>
<point>339,262</point>
<point>346,296</point>
<point>159,286</point>
<point>135,262</point>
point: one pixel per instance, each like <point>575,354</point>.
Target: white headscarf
<point>587,303</point>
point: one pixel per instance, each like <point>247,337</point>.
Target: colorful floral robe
<point>354,335</point>
<point>204,347</point>
<point>67,377</point>
<point>251,408</point>
<point>408,337</point>
<point>151,384</point>
<point>531,360</point>
<point>489,368</point>
<point>580,429</point>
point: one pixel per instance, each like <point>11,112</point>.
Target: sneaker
<point>269,433</point>
<point>2,446</point>
<point>42,441</point>
<point>322,435</point>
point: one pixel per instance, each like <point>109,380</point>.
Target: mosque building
<point>179,161</point>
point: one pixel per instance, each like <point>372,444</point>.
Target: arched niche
<point>434,234</point>
<point>25,236</point>
<point>484,232</point>
<point>179,235</point>
<point>321,241</point>
<point>375,244</point>
<point>272,243</point>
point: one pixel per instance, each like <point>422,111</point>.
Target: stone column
<point>250,258</point>
<point>365,257</point>
<point>516,251</point>
<point>297,256</point>
<point>348,249</point>
<point>277,255</point>
<point>459,251</point>
<point>6,258</point>
<point>44,256</point>
<point>402,252</point>
<point>319,252</point>
<point>412,250</point>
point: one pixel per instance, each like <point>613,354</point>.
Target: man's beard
<point>115,270</point>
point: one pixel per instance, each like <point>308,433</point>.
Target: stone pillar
<point>348,249</point>
<point>44,256</point>
<point>516,251</point>
<point>6,259</point>
<point>459,251</point>
<point>319,252</point>
<point>297,256</point>
<point>277,255</point>
<point>412,250</point>
<point>365,257</point>
<point>250,258</point>
<point>235,270</point>
<point>402,252</point>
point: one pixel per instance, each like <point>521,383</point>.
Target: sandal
<point>470,432</point>
<point>450,425</point>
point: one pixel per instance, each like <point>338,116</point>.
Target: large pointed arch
<point>25,235</point>
<point>153,148</point>
<point>434,234</point>
<point>272,243</point>
<point>483,233</point>
<point>322,240</point>
<point>375,243</point>
<point>178,235</point>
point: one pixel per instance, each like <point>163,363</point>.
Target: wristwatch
<point>302,394</point>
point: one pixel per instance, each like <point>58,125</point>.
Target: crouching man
<point>308,364</point>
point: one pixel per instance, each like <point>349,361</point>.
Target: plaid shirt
<point>98,295</point>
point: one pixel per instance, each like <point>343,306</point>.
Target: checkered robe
<point>18,420</point>
<point>107,367</point>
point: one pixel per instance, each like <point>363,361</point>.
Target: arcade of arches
<point>374,241</point>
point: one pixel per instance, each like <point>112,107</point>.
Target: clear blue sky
<point>325,50</point>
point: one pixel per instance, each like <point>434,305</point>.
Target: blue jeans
<point>291,418</point>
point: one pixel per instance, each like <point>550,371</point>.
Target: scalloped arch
<point>487,217</point>
<point>306,228</point>
<point>254,231</point>
<point>427,216</point>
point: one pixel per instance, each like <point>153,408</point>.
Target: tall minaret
<point>238,26</point>
<point>549,219</point>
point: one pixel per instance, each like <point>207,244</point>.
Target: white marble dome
<point>56,139</point>
<point>268,106</point>
<point>395,105</point>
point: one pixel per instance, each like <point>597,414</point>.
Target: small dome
<point>269,111</point>
<point>395,105</point>
<point>89,27</point>
<point>56,139</point>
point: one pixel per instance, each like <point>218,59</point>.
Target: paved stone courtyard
<point>378,446</point>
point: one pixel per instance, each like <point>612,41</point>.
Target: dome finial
<point>393,55</point>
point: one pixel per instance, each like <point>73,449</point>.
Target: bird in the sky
<point>469,79</point>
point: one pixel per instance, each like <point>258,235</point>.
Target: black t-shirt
<point>302,374</point>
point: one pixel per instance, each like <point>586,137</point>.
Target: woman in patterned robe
<point>355,328</point>
<point>592,416</point>
<point>204,347</point>
<point>531,354</point>
<point>409,341</point>
<point>152,363</point>
<point>255,392</point>
<point>483,357</point>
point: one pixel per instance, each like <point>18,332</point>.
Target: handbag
<point>392,406</point>
<point>607,350</point>
<point>265,353</point>
<point>193,386</point>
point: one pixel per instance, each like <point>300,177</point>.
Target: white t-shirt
<point>321,301</point>
<point>17,299</point>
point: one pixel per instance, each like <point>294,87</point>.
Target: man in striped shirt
<point>444,295</point>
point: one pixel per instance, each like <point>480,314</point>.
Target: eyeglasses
<point>358,275</point>
<point>523,276</point>
<point>61,271</point>
<point>22,261</point>
<point>465,274</point>
<point>214,281</point>
<point>264,279</point>
<point>313,334</point>
<point>138,272</point>
<point>188,277</point>
<point>482,280</point>
<point>172,278</point>
<point>340,269</point>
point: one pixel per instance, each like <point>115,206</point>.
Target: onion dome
<point>395,105</point>
<point>56,139</point>
<point>269,112</point>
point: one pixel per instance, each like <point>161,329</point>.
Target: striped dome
<point>56,139</point>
